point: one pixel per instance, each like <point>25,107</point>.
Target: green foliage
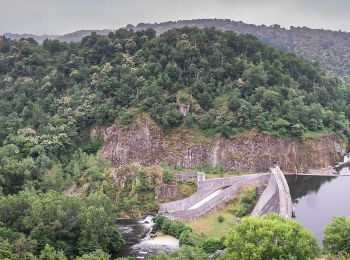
<point>6,251</point>
<point>49,253</point>
<point>170,227</point>
<point>221,219</point>
<point>168,176</point>
<point>336,240</point>
<point>209,245</point>
<point>184,253</point>
<point>96,255</point>
<point>186,235</point>
<point>51,221</point>
<point>245,202</point>
<point>94,145</point>
<point>271,237</point>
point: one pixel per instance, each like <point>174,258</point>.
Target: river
<point>318,199</point>
<point>139,242</point>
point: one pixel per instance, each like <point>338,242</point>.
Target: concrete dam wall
<point>276,196</point>
<point>211,193</point>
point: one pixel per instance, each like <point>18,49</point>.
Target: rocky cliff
<point>144,143</point>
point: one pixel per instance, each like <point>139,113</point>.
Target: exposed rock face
<point>167,192</point>
<point>144,143</point>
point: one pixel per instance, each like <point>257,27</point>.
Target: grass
<point>240,206</point>
<point>316,135</point>
<point>210,226</point>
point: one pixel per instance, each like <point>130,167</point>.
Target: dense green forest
<point>329,48</point>
<point>51,94</point>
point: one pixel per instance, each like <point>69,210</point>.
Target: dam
<point>211,193</point>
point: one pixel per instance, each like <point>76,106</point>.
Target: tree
<point>6,250</point>
<point>184,253</point>
<point>337,235</point>
<point>64,223</point>
<point>95,255</point>
<point>49,253</point>
<point>272,237</point>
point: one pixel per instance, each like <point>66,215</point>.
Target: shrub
<point>245,202</point>
<point>158,221</point>
<point>94,145</point>
<point>168,176</point>
<point>185,252</point>
<point>126,118</point>
<point>221,219</point>
<point>190,238</point>
<point>95,255</point>
<point>211,245</point>
<point>170,227</point>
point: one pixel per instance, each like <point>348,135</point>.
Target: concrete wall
<point>276,197</point>
<point>268,200</point>
<point>183,212</point>
<point>285,200</point>
<point>222,182</point>
<point>184,203</point>
<point>204,188</point>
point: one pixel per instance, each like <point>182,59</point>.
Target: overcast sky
<point>63,16</point>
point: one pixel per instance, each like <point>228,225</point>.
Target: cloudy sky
<point>62,16</point>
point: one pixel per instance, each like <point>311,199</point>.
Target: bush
<point>95,255</point>
<point>337,236</point>
<point>126,118</point>
<point>221,219</point>
<point>185,252</point>
<point>186,236</point>
<point>245,202</point>
<point>170,227</point>
<point>211,245</point>
<point>190,238</point>
<point>158,221</point>
<point>168,176</point>
<point>94,145</point>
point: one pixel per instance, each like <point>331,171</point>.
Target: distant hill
<point>331,49</point>
<point>38,38</point>
<point>69,37</point>
<point>77,36</point>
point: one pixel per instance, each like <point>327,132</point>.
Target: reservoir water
<point>318,199</point>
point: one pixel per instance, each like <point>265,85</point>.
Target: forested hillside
<point>52,94</point>
<point>329,48</point>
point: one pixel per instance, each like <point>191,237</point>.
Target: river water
<point>139,243</point>
<point>318,199</point>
